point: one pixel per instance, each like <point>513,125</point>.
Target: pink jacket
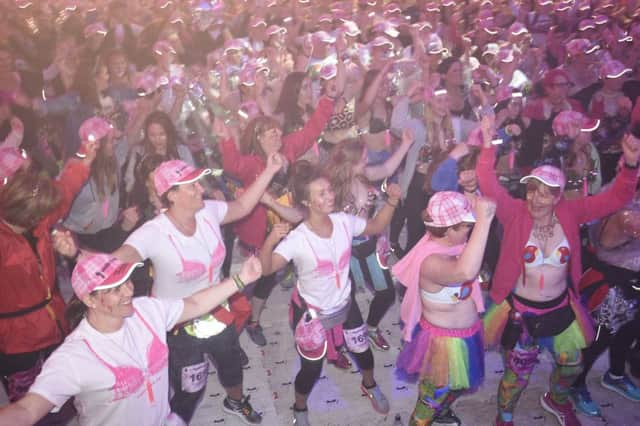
<point>514,217</point>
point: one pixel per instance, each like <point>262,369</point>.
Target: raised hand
<point>484,209</point>
<point>220,129</point>
<point>251,270</point>
<point>63,243</point>
<point>631,149</point>
<point>394,192</point>
<point>275,162</point>
<point>279,231</point>
<point>407,136</point>
<point>488,128</point>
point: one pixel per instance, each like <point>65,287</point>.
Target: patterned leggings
<point>519,363</point>
<point>432,401</point>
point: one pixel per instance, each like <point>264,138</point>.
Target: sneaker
<point>342,362</point>
<point>581,399</point>
<point>447,418</point>
<point>377,398</point>
<point>377,340</point>
<point>624,386</point>
<point>564,413</point>
<point>301,417</point>
<point>242,409</point>
<point>254,329</point>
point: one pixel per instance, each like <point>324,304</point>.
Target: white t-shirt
<point>319,286</point>
<point>183,265</point>
<point>120,378</point>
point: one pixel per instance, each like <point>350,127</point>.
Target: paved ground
<point>337,400</point>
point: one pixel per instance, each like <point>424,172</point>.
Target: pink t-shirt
<point>118,378</point>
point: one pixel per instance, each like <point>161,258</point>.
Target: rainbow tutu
<point>444,357</point>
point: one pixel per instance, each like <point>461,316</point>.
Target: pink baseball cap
<point>11,159</point>
<point>581,46</point>
<point>613,69</point>
<point>586,24</point>
<point>448,208</point>
<point>99,271</point>
<point>566,119</point>
<point>95,28</point>
<point>276,29</point>
<point>92,130</point>
<point>549,175</point>
<point>518,28</point>
<point>328,71</point>
<point>310,337</point>
<point>175,172</point>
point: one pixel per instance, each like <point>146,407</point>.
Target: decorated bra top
<point>449,295</point>
<point>533,255</point>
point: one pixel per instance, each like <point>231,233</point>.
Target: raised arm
<point>386,169</point>
<point>380,221</point>
<point>206,300</point>
<point>297,143</point>
<point>372,91</point>
<point>487,178</point>
<point>272,262</point>
<point>243,205</point>
<point>449,270</point>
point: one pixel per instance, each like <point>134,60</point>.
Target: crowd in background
<point>163,133</point>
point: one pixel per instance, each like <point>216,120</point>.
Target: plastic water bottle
<point>397,421</point>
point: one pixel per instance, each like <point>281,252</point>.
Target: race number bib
<point>194,377</point>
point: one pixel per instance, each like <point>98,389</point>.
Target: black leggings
<point>618,344</point>
<point>413,205</point>
<point>310,370</point>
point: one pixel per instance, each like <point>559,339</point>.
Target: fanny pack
<point>205,326</point>
<point>549,323</point>
<point>557,317</point>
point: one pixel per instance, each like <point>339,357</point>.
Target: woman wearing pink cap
<point>320,249</point>
<point>186,248</point>
<point>440,307</point>
<point>534,287</point>
<point>32,319</point>
<point>115,361</point>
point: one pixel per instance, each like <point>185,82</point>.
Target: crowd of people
<point>144,142</point>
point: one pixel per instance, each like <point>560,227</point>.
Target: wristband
<point>239,283</point>
<point>628,166</point>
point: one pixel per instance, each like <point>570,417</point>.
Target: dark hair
<point>438,231</point>
<point>163,119</point>
<point>75,311</point>
<point>288,101</point>
<point>84,82</point>
<point>468,161</point>
<point>302,174</point>
<point>446,63</point>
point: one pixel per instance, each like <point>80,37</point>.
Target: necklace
<point>543,233</point>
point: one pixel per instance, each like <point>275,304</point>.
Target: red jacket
<point>252,229</point>
<point>24,283</point>
<point>516,220</point>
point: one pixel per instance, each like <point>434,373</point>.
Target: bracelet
<point>239,283</point>
<point>629,166</point>
<point>393,205</point>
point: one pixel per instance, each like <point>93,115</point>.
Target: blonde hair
<point>340,169</point>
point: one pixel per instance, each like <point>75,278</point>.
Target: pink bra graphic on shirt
<point>192,270</point>
<point>129,379</point>
<point>328,267</point>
